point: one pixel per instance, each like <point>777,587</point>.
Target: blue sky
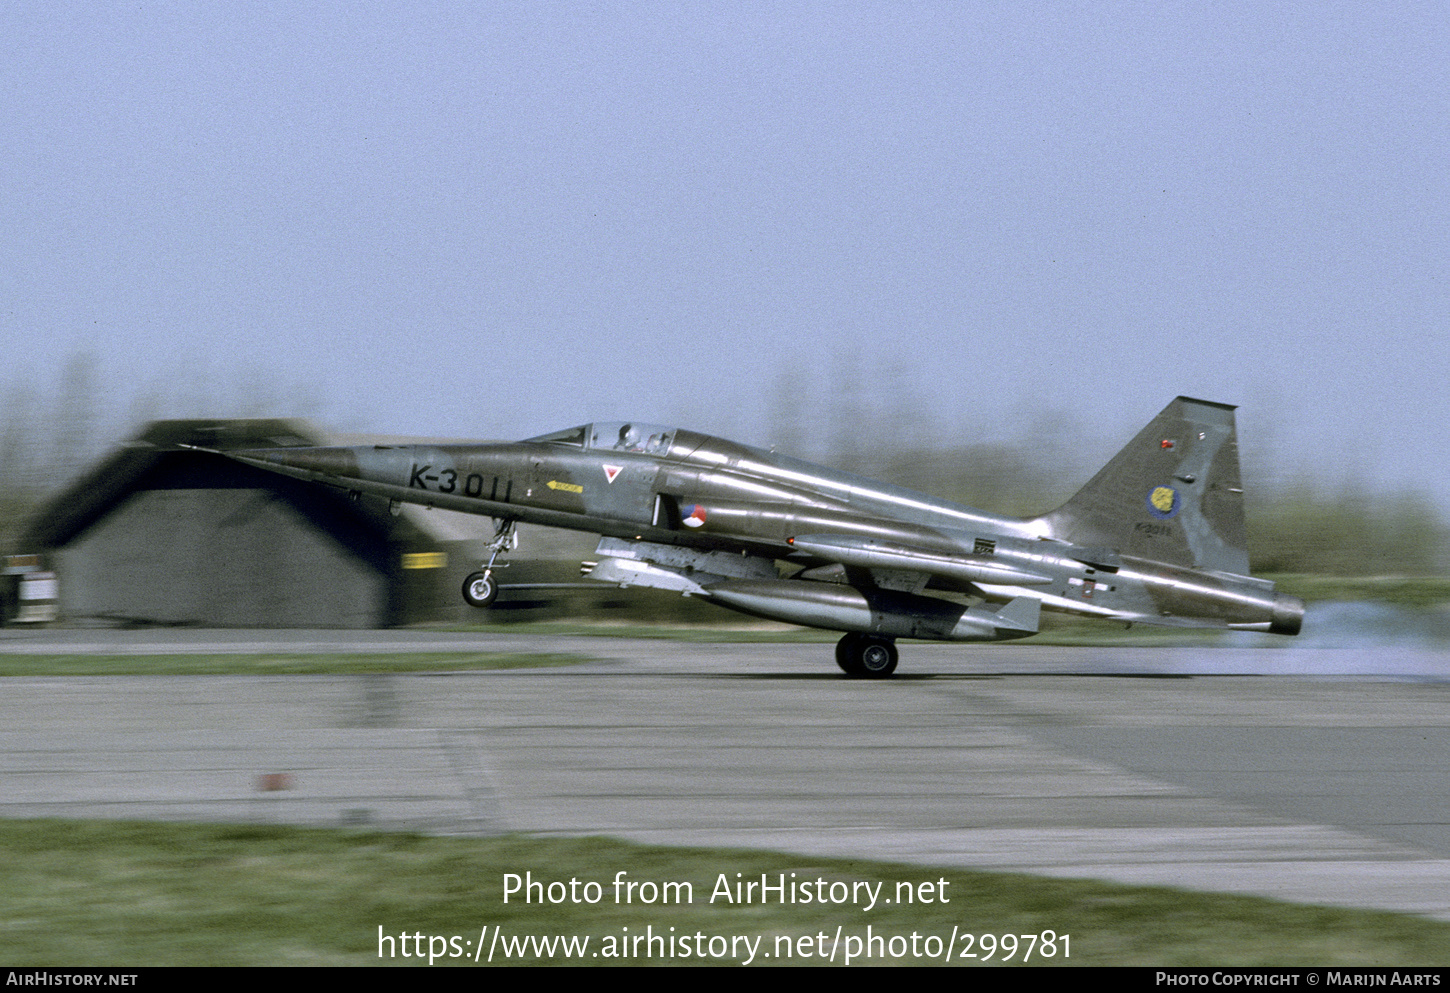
<point>963,219</point>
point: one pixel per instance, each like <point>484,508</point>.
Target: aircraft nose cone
<point>326,461</point>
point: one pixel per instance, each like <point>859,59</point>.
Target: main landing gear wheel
<point>480,589</point>
<point>866,656</point>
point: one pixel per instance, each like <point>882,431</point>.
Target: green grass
<point>1400,591</point>
<point>302,664</point>
<point>123,893</point>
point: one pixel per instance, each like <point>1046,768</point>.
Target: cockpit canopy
<point>618,436</point>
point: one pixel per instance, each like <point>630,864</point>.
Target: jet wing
<point>669,567</point>
<point>874,553</point>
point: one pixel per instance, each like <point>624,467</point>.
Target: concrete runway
<point>1132,764</point>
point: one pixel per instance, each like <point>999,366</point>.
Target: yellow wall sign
<point>425,560</point>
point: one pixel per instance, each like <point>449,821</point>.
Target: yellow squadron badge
<point>1163,502</point>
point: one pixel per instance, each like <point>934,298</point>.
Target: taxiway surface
<point>1203,768</point>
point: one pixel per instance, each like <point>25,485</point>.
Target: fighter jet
<point>1156,537</point>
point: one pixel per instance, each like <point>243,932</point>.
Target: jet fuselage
<point>779,537</point>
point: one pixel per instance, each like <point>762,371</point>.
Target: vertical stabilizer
<point>1172,495</point>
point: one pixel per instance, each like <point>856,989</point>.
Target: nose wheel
<point>480,589</point>
<point>866,656</point>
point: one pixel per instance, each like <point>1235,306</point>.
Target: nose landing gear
<point>480,589</point>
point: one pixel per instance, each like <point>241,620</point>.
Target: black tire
<point>863,656</point>
<point>480,589</point>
